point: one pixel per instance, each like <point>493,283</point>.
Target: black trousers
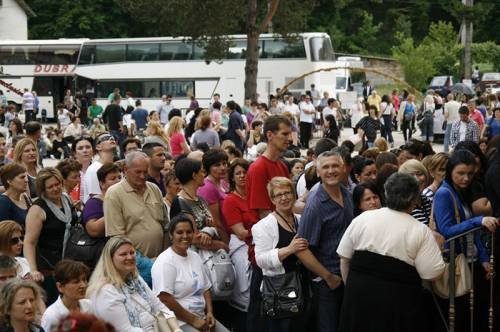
<point>305,133</point>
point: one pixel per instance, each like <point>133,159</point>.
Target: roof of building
<point>26,8</point>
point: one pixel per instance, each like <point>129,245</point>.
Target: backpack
<point>409,112</point>
<point>221,271</point>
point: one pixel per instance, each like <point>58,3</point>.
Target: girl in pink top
<point>178,144</point>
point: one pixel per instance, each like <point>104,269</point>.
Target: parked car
<point>442,84</point>
<point>490,82</point>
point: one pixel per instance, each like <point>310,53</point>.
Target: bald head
<point>196,155</point>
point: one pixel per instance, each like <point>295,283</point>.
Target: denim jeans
<point>406,129</point>
<point>255,322</point>
<point>387,128</point>
<point>327,304</point>
<point>427,128</point>
<point>447,135</point>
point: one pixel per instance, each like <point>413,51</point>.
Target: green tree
<point>417,67</point>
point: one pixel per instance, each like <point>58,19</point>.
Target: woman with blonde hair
<point>11,244</point>
<point>436,166</point>
<point>120,296</point>
<point>178,144</point>
<point>156,134</point>
<point>422,210</point>
<point>26,154</point>
<point>19,306</point>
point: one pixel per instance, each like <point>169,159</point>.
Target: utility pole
<point>467,41</point>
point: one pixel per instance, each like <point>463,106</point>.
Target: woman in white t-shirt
<point>384,255</point>
<point>181,281</point>
<point>71,281</point>
<point>63,117</point>
<point>356,112</point>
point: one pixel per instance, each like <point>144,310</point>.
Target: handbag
<point>161,324</point>
<point>463,274</point>
<point>282,295</point>
<point>82,247</point>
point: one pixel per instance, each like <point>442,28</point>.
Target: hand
<point>298,244</point>
<point>205,239</point>
<point>489,271</point>
<point>200,324</point>
<point>210,319</point>
<point>490,223</point>
<point>37,276</point>
<point>333,281</point>
<point>78,205</point>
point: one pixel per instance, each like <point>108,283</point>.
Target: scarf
<point>65,217</point>
<point>134,308</point>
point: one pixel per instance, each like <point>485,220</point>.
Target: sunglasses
<point>105,138</point>
<point>16,240</point>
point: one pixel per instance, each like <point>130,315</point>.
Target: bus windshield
<point>321,49</point>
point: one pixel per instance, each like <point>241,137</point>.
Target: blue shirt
<point>235,122</point>
<point>323,224</point>
<point>494,125</point>
<point>10,211</point>
<point>140,116</point>
<point>446,222</point>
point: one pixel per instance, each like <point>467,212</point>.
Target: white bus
<point>45,66</point>
<point>152,67</point>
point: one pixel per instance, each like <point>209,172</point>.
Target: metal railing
<point>452,286</point>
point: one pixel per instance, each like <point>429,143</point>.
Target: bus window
<point>110,53</point>
<point>87,55</point>
<point>321,49</point>
<point>18,54</point>
<point>238,49</point>
<point>340,83</point>
<point>57,54</point>
<point>297,85</point>
<point>143,52</point>
<point>282,49</point>
<point>180,88</point>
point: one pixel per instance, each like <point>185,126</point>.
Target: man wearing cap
<point>105,145</point>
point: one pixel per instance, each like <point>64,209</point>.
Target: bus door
<point>50,91</point>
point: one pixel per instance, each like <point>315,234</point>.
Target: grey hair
<point>131,156</point>
<point>401,190</point>
<point>332,153</point>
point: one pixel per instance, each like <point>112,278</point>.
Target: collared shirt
<point>323,224</point>
<point>471,132</point>
<point>160,184</point>
<point>141,218</point>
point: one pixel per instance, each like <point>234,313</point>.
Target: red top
<point>258,176</point>
<point>175,144</point>
<point>235,210</point>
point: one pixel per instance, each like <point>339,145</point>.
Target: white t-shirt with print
<point>186,278</point>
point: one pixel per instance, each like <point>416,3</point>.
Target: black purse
<point>282,295</point>
<point>82,247</point>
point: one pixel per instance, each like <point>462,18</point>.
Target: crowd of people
<point>282,236</point>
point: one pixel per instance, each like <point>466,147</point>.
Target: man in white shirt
<point>106,147</point>
<point>330,109</point>
<point>316,96</point>
<point>164,108</point>
<point>28,105</point>
<point>307,112</point>
<point>450,115</point>
<point>291,107</point>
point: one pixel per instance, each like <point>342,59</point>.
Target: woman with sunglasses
<point>11,244</point>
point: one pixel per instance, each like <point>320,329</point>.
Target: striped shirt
<point>423,212</point>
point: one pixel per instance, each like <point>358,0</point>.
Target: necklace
<point>237,192</point>
<point>292,227</point>
<point>193,198</point>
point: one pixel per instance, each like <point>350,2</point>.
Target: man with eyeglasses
<point>105,145</point>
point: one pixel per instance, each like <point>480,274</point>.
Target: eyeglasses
<point>283,195</point>
<point>16,240</point>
